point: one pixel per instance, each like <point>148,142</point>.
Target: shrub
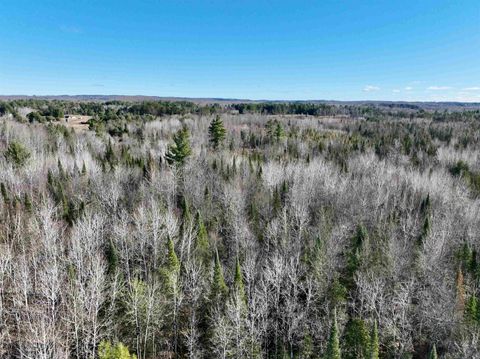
<point>118,351</point>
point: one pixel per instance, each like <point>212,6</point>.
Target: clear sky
<point>255,49</point>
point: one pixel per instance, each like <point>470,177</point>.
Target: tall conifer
<point>333,345</point>
<point>216,132</point>
<point>374,343</point>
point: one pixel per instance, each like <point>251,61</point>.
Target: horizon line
<point>226,99</point>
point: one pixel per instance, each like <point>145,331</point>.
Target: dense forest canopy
<point>245,230</point>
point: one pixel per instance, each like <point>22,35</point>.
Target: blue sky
<point>256,49</point>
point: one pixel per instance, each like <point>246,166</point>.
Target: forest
<point>243,230</point>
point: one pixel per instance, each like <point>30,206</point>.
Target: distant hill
<point>139,98</point>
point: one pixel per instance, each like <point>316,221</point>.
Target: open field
<point>77,122</point>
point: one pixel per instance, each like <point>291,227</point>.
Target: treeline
<point>44,110</point>
<point>172,108</point>
<point>293,108</point>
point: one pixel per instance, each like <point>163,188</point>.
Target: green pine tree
<point>238,286</point>
<point>219,289</point>
<point>426,205</point>
<point>356,340</point>
<point>333,345</point>
<point>374,343</point>
<point>279,132</point>
<point>178,152</point>
<point>186,215</point>
<point>112,257</point>
<point>426,228</point>
<point>216,132</point>
<point>307,349</point>
<point>275,130</point>
<point>465,256</point>
<point>149,167</point>
<point>61,171</point>
<point>170,271</point>
<point>433,353</point>
<point>202,244</point>
<point>276,201</point>
<point>473,264</point>
<point>171,275</point>
<point>284,191</point>
<point>3,190</point>
<point>259,172</point>
<point>27,202</point>
<point>110,157</point>
<point>354,258</point>
<point>471,310</point>
<point>337,292</point>
<point>173,264</point>
<point>17,154</point>
<point>234,166</point>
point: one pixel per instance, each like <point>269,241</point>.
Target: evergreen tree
<point>427,225</point>
<point>178,152</point>
<point>284,192</point>
<point>356,340</point>
<point>202,244</point>
<point>465,256</point>
<point>425,205</point>
<point>337,292</point>
<point>473,265</point>
<point>259,172</point>
<point>110,157</point>
<point>333,345</point>
<point>17,154</point>
<point>275,130</point>
<point>70,211</point>
<point>354,258</point>
<point>112,257</point>
<point>4,192</point>
<point>276,201</point>
<point>374,343</point>
<point>433,353</point>
<point>219,289</point>
<point>148,167</point>
<point>186,215</point>
<point>61,171</point>
<point>217,300</point>
<point>279,132</point>
<point>27,202</point>
<point>216,132</point>
<point>316,260</point>
<point>173,264</point>
<point>170,271</point>
<point>234,166</point>
<point>307,349</point>
<point>471,310</point>
<point>171,274</point>
<point>238,286</point>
